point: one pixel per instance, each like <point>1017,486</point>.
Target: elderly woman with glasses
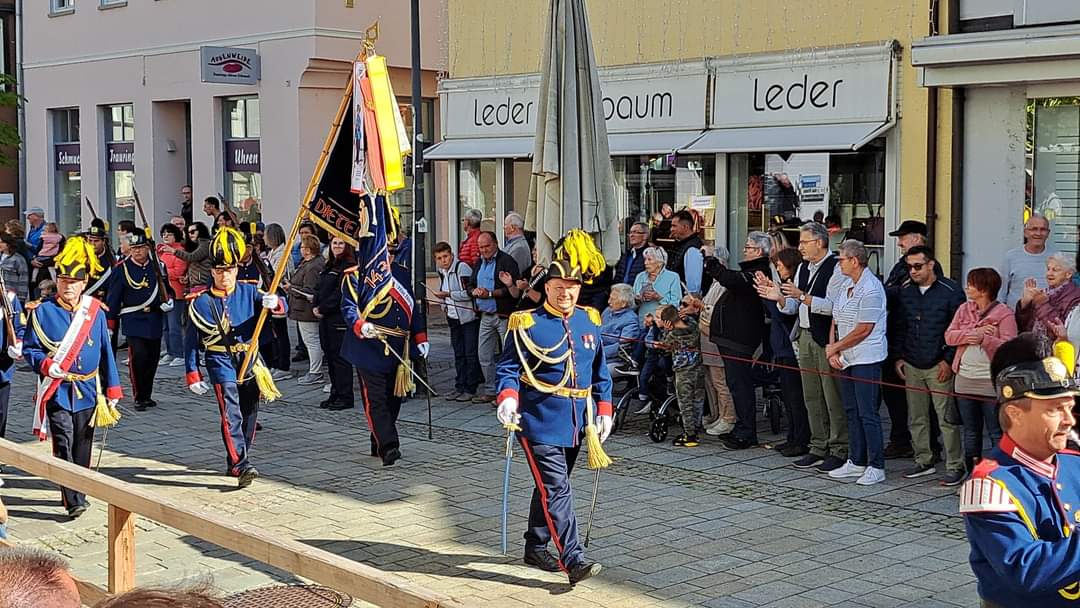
<point>1051,313</point>
<point>656,285</point>
<point>857,346</point>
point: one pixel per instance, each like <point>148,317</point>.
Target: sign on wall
<point>120,156</point>
<point>67,157</point>
<point>243,155</point>
<point>803,90</point>
<point>228,65</point>
<point>632,102</point>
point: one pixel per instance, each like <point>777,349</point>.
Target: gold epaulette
<point>594,315</point>
<point>522,319</point>
<point>195,293</point>
<point>32,304</point>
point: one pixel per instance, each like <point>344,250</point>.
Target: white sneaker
<point>326,389</point>
<point>848,469</point>
<point>164,359</point>
<point>280,374</point>
<point>176,362</point>
<point>871,476</point>
<point>307,379</point>
<point>720,428</point>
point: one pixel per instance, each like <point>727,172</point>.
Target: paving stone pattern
<point>675,527</point>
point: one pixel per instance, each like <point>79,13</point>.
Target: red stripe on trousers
<point>543,500</point>
<point>367,412</point>
<point>225,428</point>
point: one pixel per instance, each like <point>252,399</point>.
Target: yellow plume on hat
<point>227,247</point>
<point>77,260</point>
<point>578,248</point>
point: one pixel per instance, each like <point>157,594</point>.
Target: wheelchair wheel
<point>774,408</point>
<point>658,430</point>
<point>621,410</point>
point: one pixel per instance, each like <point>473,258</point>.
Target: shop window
<point>119,164</point>
<point>1053,172</point>
<point>243,158</point>
<point>778,192</point>
<point>67,169</point>
<point>651,189</point>
<point>476,190</point>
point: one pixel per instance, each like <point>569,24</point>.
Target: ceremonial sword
<point>416,376</point>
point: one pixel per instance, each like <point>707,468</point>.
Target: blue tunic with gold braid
<point>1021,515</point>
<point>551,363</point>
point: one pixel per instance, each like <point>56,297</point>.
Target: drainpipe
<point>20,87</point>
<point>956,190</point>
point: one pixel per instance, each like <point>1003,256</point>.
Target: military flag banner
<point>359,160</point>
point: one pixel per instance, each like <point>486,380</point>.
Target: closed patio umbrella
<point>572,184</point>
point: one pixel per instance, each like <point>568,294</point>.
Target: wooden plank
<point>89,593</point>
<point>359,580</point>
<point>121,550</point>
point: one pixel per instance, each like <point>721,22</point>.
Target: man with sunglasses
<point>927,306</point>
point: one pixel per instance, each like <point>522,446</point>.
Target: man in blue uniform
<point>10,351</point>
<point>133,296</point>
<point>1022,503</point>
<point>552,364</point>
<point>68,346</point>
<point>393,324</point>
<point>223,320</point>
<point>98,281</point>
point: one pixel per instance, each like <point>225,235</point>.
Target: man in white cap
<point>35,225</point>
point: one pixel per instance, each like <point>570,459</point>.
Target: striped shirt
<point>862,302</point>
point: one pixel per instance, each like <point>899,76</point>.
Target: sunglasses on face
<point>917,266</point>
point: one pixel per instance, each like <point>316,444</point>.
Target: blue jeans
<point>975,414</point>
<point>861,401</point>
<point>464,337</point>
<point>174,329</point>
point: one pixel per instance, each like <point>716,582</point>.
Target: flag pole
<point>367,45</point>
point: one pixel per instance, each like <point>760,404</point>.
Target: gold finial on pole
<point>371,36</point>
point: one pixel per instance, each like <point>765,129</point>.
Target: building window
<point>60,7</point>
<point>1053,171</point>
<point>67,170</point>
<point>112,3</point>
<point>651,189</point>
<point>120,163</point>
<point>476,190</point>
<point>243,158</point>
<point>777,192</point>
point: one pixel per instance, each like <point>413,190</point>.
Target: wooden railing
<point>127,500</point>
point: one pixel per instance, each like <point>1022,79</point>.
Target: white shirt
<point>862,302</point>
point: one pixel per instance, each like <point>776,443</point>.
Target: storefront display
<point>67,169</point>
<point>119,164</point>
<point>243,157</point>
<point>1054,181</point>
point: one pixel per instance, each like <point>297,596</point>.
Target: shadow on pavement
<point>159,477</point>
<point>403,558</point>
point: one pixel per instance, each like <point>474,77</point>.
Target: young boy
<point>682,340</point>
<point>462,319</point>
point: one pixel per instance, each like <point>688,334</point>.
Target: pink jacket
<point>968,318</point>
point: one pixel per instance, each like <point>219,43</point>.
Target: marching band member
<point>10,352</point>
<point>223,320</point>
<point>68,346</point>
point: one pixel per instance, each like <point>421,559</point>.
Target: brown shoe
<point>483,398</point>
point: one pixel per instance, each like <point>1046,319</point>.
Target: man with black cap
<point>67,344</point>
<point>910,233</point>
<point>98,237</point>
<point>1020,505</point>
<point>551,373</point>
<point>133,296</point>
<point>223,319</point>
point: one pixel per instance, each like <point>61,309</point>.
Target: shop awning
<point>796,138</point>
<point>481,147</point>
<point>662,142</point>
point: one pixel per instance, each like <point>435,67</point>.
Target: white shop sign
<point>802,90</point>
<point>631,104</point>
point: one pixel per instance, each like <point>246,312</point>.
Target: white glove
<point>167,306</point>
<point>113,402</point>
<point>15,350</point>
<point>423,347</point>
<point>270,301</point>
<point>199,388</point>
<point>507,412</point>
<point>603,427</point>
<point>368,330</point>
<point>55,371</point>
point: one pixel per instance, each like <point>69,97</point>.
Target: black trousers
<point>239,408</point>
<point>341,382</point>
<point>5,395</point>
<point>798,432</point>
<point>282,356</point>
<point>895,403</point>
<point>381,407</point>
<point>73,441</point>
<point>740,381</point>
<point>143,356</point>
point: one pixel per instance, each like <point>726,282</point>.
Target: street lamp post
<point>419,231</point>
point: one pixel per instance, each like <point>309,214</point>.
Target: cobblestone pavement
<point>676,527</point>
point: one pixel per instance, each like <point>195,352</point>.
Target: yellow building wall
<point>501,37</point>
